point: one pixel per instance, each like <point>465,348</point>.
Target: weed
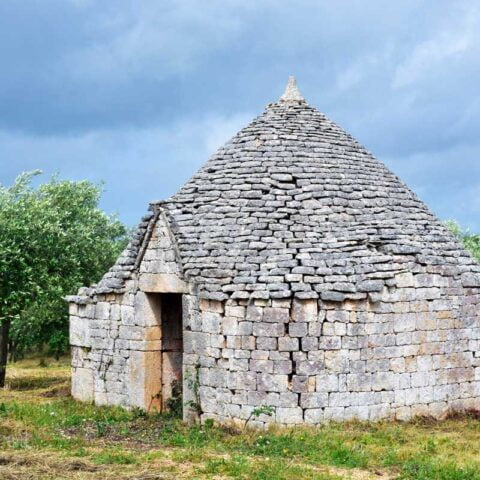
<point>114,457</point>
<point>263,410</point>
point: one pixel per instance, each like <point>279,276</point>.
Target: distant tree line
<point>471,241</point>
<point>53,240</point>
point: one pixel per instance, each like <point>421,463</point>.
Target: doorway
<point>167,308</point>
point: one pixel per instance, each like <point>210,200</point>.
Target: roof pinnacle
<point>292,93</point>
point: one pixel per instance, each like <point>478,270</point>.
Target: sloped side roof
<point>126,264</point>
<point>294,205</point>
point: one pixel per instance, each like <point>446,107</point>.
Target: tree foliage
<point>53,240</point>
<point>471,241</point>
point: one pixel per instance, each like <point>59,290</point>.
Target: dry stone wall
<point>115,341</point>
<point>400,353</point>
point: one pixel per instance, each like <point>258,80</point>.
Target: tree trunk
<point>4,331</point>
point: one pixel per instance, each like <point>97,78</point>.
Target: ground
<point>45,434</point>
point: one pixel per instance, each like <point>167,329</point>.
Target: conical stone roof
<point>293,205</point>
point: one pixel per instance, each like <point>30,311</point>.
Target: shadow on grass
<point>33,382</point>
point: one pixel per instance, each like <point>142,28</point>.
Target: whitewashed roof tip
<point>292,93</point>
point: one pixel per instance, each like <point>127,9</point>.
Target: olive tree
<point>53,239</point>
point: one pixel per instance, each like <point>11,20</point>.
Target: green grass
<point>44,431</point>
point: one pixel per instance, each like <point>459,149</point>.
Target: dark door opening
<point>172,351</point>
<point>167,309</point>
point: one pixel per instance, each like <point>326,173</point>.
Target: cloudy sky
<point>139,94</point>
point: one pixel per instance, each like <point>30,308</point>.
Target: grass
<point>45,434</point>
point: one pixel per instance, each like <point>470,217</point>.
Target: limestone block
<point>248,342</point>
<point>245,328</point>
<point>370,286</point>
<point>275,315</point>
<point>334,413</point>
<point>254,313</point>
<point>338,316</point>
<point>314,416</point>
<point>144,380</point>
<point>260,354</point>
<point>211,322</point>
<point>288,399</point>
<point>282,366</point>
<point>235,311</point>
<point>289,416</point>
<point>102,310</point>
<point>127,332</point>
<point>426,321</point>
<point>287,344</point>
<point>272,382</point>
<point>314,400</point>
<point>315,328</point>
<point>162,283</point>
<point>97,343</point>
<point>310,367</point>
<point>471,280</point>
<point>126,314</point>
<point>359,382</point>
<point>218,377</point>
<point>356,412</point>
<point>405,323</point>
<point>325,382</point>
<point>230,326</point>
<point>305,310</point>
<point>73,308</point>
<point>264,329</point>
<point>140,345</point>
<point>146,310</point>
<point>309,344</point>
<point>239,364</point>
<point>299,383</point>
<point>245,380</point>
<point>82,384</point>
<point>115,312</point>
<point>378,412</point>
<point>264,366</point>
<point>195,342</point>
<point>383,381</point>
<point>330,343</point>
<point>337,361</point>
<point>405,280</point>
<point>217,341</point>
<point>234,342</point>
<point>79,332</point>
<point>191,317</point>
<point>266,343</point>
<point>297,329</point>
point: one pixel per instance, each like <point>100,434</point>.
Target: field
<point>44,434</point>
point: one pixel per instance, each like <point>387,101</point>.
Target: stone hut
<point>293,271</point>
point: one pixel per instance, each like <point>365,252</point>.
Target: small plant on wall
<point>193,384</point>
<point>175,402</point>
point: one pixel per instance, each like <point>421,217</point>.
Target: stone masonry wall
<point>115,338</point>
<point>115,343</point>
<point>406,351</point>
